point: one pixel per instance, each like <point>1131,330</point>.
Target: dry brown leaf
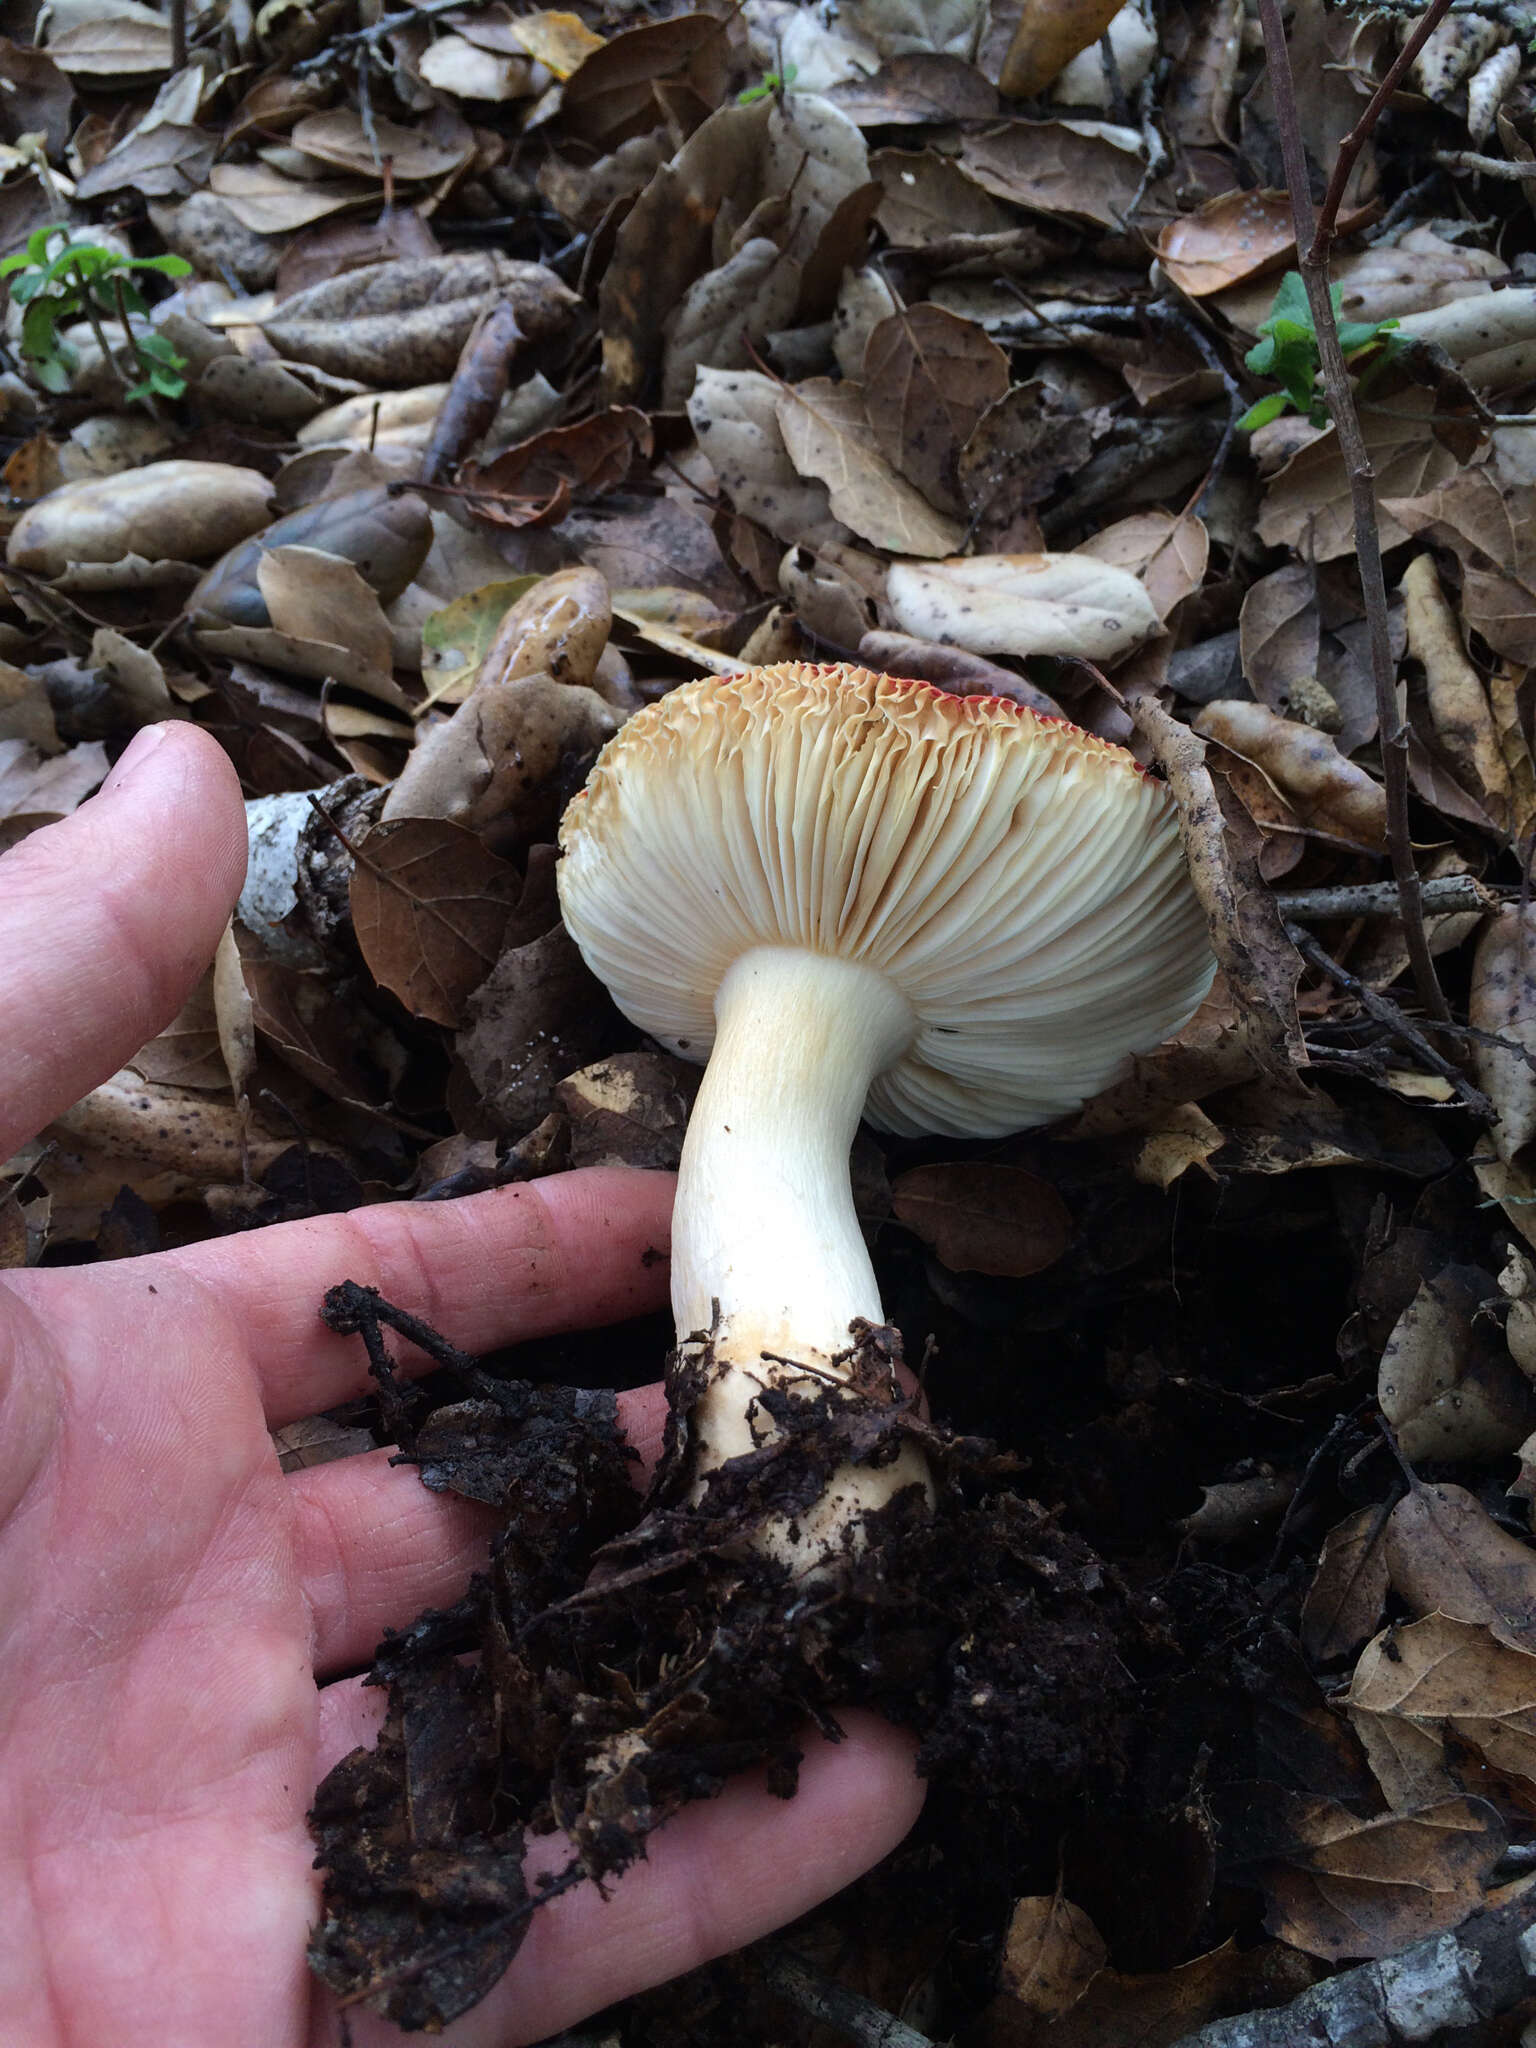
<point>1167,551</point>
<point>1048,35</point>
<point>39,786</point>
<point>1491,528</point>
<point>540,475</point>
<point>1331,795</point>
<point>1351,1887</point>
<point>301,1018</point>
<point>1258,962</point>
<point>404,322</point>
<point>827,435</point>
<point>1504,703</point>
<point>984,1219</point>
<point>1442,1674</point>
<point>1278,634</point>
<point>1085,170</point>
<point>186,1053</point>
<point>612,94</point>
<point>339,137</point>
<point>1161,2008</point>
<point>1459,712</point>
<point>172,511</point>
<point>313,595</point>
<point>928,378</point>
<point>1023,605</point>
<point>1348,1594</point>
<point>267,203</point>
<point>531,1017</point>
<point>1503,1001</point>
<point>1446,1554</point>
<point>735,415</point>
<point>386,538</point>
<point>1307,505</point>
<point>631,1110</point>
<point>1234,236</point>
<point>114,49</point>
<point>429,906</point>
<point>1445,1384</point>
<point>1051,1955</point>
<point>928,198</point>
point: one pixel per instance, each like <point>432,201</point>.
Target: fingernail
<point>133,757</point>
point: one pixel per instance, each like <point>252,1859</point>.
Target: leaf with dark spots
<point>928,378</point>
<point>984,1219</point>
<point>429,905</point>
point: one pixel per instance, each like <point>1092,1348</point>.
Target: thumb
<point>108,917</point>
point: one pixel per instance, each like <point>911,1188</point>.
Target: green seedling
<point>774,85</point>
<point>1287,351</point>
<point>82,281</point>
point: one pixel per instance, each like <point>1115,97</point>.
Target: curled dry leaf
<point>1503,1001</point>
<point>321,599</point>
<point>1259,964</point>
<point>385,537</point>
<point>167,511</point>
<point>984,1219</point>
<point>558,628</point>
<point>505,762</point>
<point>1445,1383</point>
<point>1278,635</point>
<point>1348,1594</point>
<point>340,138</point>
<point>540,475</point>
<point>1332,796</point>
<point>1182,1137</point>
<point>928,378</point>
<point>1048,36</point>
<point>1491,528</point>
<point>456,638</point>
<point>827,434</point>
<point>186,1053</point>
<point>1051,1955</point>
<point>37,786</point>
<point>1023,605</point>
<point>1459,712</point>
<point>404,322</point>
<point>1307,505</point>
<point>429,906</point>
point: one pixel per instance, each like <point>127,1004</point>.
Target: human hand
<point>175,1611</point>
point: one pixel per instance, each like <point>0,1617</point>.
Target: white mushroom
<point>856,894</point>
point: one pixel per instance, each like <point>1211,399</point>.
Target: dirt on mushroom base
<point>620,1659</point>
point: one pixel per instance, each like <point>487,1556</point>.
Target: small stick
<point>1484,166</point>
<point>1380,899</point>
<point>1390,1017</point>
<point>1313,234</point>
<point>855,2017</point>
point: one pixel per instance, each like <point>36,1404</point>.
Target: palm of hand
<point>172,1606</point>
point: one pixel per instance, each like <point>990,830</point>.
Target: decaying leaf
<point>630,1110</point>
<point>1348,1594</point>
<point>928,378</point>
<point>1446,1384</point>
<point>1167,551</point>
<point>1233,236</point>
<point>1023,604</point>
<point>1488,525</point>
<point>1331,795</point>
<point>827,435</point>
<point>167,511</point>
<point>984,1219</point>
<point>1053,1953</point>
<point>1444,1676</point>
<point>429,906</point>
<point>1503,1002</point>
<point>1459,711</point>
<point>1445,1554</point>
<point>735,415</point>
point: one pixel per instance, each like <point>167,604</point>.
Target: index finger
<point>569,1252</point>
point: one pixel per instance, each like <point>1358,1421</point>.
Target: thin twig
<point>1312,236</point>
<point>1386,1013</point>
<point>369,38</point>
<point>851,2014</point>
<point>1360,134</point>
<point>1484,166</point>
<point>1380,899</point>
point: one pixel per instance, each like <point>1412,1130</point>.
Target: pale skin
<point>179,1619</point>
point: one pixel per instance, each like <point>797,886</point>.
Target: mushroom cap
<point>1019,881</point>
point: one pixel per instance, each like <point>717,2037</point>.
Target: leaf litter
<point>528,365</point>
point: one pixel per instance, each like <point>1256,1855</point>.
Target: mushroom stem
<point>766,1245</point>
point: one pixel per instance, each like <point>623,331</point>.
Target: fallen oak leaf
<point>984,1219</point>
<point>827,434</point>
<point>429,907</point>
<point>928,378</point>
